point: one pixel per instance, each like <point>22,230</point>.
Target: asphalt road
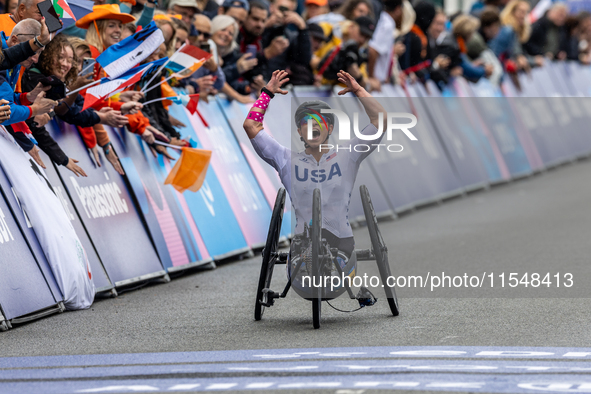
<point>536,225</point>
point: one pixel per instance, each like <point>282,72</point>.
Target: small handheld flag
<point>62,8</point>
<point>121,57</point>
<point>190,101</point>
<point>190,169</point>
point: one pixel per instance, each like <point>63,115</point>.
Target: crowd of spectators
<point>376,41</point>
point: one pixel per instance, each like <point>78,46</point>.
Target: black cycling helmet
<point>313,107</point>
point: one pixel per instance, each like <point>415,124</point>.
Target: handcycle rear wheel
<point>316,231</point>
<point>379,248</point>
<point>269,254</point>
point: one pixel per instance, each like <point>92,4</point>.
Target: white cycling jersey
<point>334,175</point>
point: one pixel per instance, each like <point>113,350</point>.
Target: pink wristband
<point>262,103</point>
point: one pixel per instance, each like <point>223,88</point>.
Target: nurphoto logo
<point>344,132</point>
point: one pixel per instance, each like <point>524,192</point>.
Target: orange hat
<point>104,11</point>
<point>320,3</point>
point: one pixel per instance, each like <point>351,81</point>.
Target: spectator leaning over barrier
<point>209,78</point>
<point>381,46</point>
<point>548,34</point>
<point>186,8</point>
<point>26,9</point>
<point>439,69</point>
<point>571,38</point>
<point>464,26</point>
<point>349,55</point>
<point>103,26</point>
<point>16,108</point>
<point>476,48</point>
<point>285,23</point>
<point>237,9</point>
<point>224,31</point>
<point>507,41</point>
<point>245,65</point>
<point>415,58</point>
<point>585,36</point>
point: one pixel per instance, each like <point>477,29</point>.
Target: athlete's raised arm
<point>370,104</point>
<point>254,120</point>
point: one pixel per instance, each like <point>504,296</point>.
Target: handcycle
<point>315,257</point>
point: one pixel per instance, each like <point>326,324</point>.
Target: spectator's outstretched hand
<point>114,160</point>
<point>112,118</point>
<point>32,95</point>
<point>131,108</point>
<point>4,110</point>
<point>157,134</point>
<point>34,153</point>
<point>278,78</point>
<point>95,154</point>
<point>351,85</point>
<point>42,120</point>
<point>72,166</point>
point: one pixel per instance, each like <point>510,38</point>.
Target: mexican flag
<point>63,9</point>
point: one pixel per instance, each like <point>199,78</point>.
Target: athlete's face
<point>320,132</point>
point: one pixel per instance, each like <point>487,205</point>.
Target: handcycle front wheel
<point>316,233</point>
<point>379,248</point>
<point>269,254</point>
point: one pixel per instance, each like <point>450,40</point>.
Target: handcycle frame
<point>322,256</point>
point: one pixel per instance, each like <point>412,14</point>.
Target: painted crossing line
<point>383,352</point>
<point>435,368</point>
<point>318,367</point>
<point>432,382</point>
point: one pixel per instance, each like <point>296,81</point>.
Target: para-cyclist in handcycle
<point>323,246</point>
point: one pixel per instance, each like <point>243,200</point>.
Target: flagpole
<point>159,99</point>
<point>169,145</point>
<point>160,69</point>
<point>90,66</point>
<point>84,87</point>
<point>172,76</point>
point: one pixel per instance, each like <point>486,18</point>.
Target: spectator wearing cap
<point>315,9</point>
<point>186,8</point>
<point>286,24</point>
<point>237,9</point>
<point>381,46</point>
<point>349,54</point>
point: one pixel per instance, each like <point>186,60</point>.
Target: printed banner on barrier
<point>23,288</point>
<point>236,178</point>
<point>209,208</point>
<point>177,239</point>
<point>109,214</point>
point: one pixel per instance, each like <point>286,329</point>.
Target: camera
<point>345,58</point>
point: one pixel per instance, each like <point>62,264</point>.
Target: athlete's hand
<point>277,80</point>
<point>351,84</point>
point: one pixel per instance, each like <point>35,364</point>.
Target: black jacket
<point>539,36</point>
<point>45,140</point>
